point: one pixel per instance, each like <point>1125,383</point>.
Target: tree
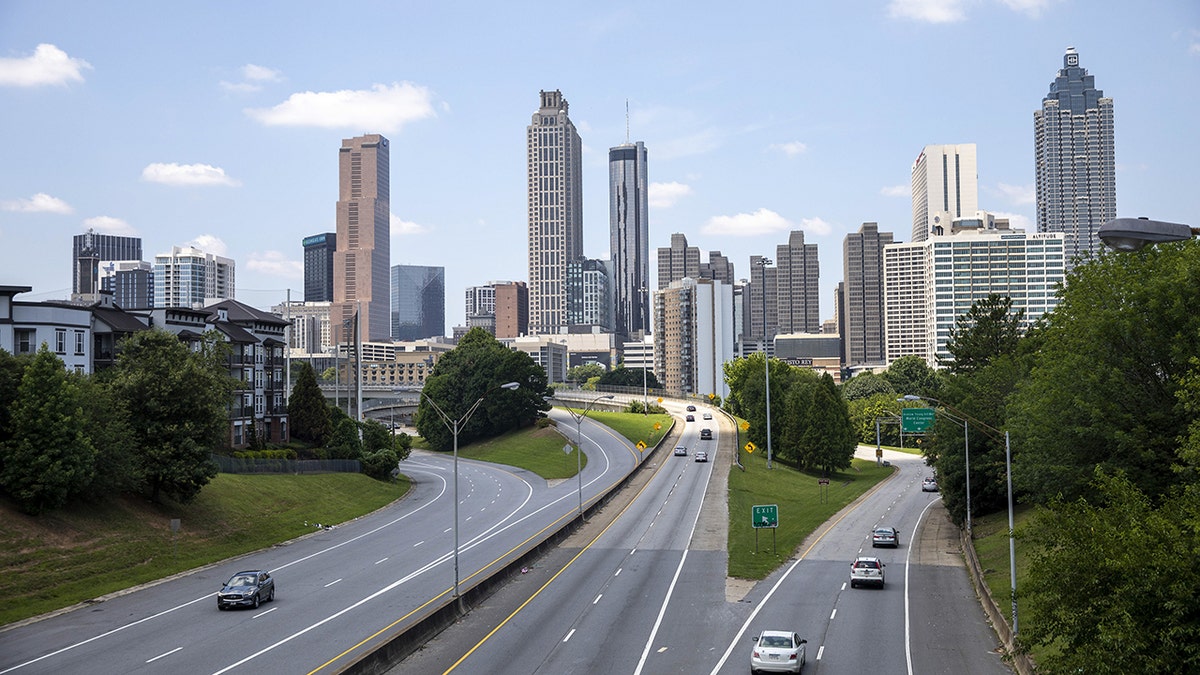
<point>308,409</point>
<point>344,442</point>
<point>748,394</point>
<point>817,433</point>
<point>178,398</point>
<point>866,385</point>
<point>990,328</point>
<point>48,459</point>
<point>12,368</point>
<point>629,377</point>
<point>864,412</point>
<point>910,375</point>
<point>585,372</point>
<point>108,429</point>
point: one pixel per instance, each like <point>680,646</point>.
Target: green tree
<point>817,433</point>
<point>910,375</point>
<point>1127,602</point>
<point>11,370</point>
<point>629,377</point>
<point>308,409</point>
<point>990,328</point>
<point>864,412</point>
<point>344,443</point>
<point>866,385</point>
<point>109,431</point>
<point>48,460</point>
<point>584,373</point>
<point>748,394</point>
<point>179,400</point>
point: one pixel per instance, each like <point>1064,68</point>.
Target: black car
<point>706,434</point>
<point>691,408</point>
<point>247,589</point>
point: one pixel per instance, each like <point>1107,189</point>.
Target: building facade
<point>89,251</point>
<point>318,266</point>
<point>418,302</point>
<point>693,336</point>
<point>629,238</point>
<point>1075,159</point>
<point>677,261</point>
<point>589,294</point>
<point>797,279</point>
<point>945,178</point>
<point>555,185</point>
<point>130,282</point>
<point>512,310</point>
<point>760,299</point>
<point>185,276</point>
<point>860,305</point>
<point>362,260</point>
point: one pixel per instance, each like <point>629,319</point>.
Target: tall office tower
<point>945,178</point>
<point>91,250</point>
<point>589,294</point>
<point>418,302</point>
<point>1075,163</point>
<point>131,283</point>
<point>677,261</point>
<point>629,238</point>
<point>860,303</point>
<point>718,268</point>
<point>318,266</point>
<point>363,258</point>
<point>761,298</point>
<point>512,310</point>
<point>797,279</point>
<point>693,336</point>
<point>188,277</point>
<point>555,182</point>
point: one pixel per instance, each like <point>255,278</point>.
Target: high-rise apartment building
<point>555,184</point>
<point>797,295</point>
<point>629,238</point>
<point>945,179</point>
<point>512,310</point>
<point>318,266</point>
<point>1074,159</point>
<point>418,302</point>
<point>589,294</point>
<point>860,304</point>
<point>188,277</point>
<point>693,336</point>
<point>131,283</point>
<point>362,260</point>
<point>90,250</point>
<point>677,261</point>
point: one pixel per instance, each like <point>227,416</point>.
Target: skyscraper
<point>362,261</point>
<point>90,250</point>
<point>860,302</point>
<point>945,179</point>
<point>555,183</point>
<point>798,274</point>
<point>589,293</point>
<point>629,235</point>
<point>418,302</point>
<point>318,266</point>
<point>1075,163</point>
<point>185,276</point>
<point>677,261</point>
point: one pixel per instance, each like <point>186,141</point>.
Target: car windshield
<point>887,533</point>
<point>242,580</point>
<point>870,564</point>
<point>780,641</point>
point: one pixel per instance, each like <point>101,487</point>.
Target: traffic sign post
<point>764,515</point>
<point>916,420</point>
<point>823,489</point>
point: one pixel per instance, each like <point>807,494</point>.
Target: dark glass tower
<point>629,238</point>
<point>89,250</point>
<point>418,302</point>
<point>318,267</point>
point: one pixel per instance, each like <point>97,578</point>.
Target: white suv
<point>866,571</point>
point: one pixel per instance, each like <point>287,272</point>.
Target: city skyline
<point>222,137</point>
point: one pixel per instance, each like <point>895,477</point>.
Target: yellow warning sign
<point>750,447</point>
<point>641,445</point>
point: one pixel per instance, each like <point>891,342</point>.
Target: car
<point>866,571</point>
<point>929,485</point>
<point>706,434</point>
<point>691,418</point>
<point>680,451</point>
<point>247,589</point>
<point>691,408</point>
<point>701,456</point>
<point>708,416</point>
<point>885,536</point>
<point>777,651</point>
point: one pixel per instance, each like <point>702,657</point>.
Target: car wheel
<point>220,607</point>
<point>271,595</point>
<point>256,601</point>
<point>853,585</point>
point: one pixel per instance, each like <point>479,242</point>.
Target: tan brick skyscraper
<point>363,258</point>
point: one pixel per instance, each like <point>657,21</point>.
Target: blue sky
<point>219,123</point>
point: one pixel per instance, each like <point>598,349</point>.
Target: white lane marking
<point>332,583</point>
<point>834,614</point>
<point>843,585</point>
<point>598,598</point>
<point>569,634</point>
<point>745,626</point>
<point>618,571</point>
<point>162,655</point>
<point>383,559</point>
<point>907,567</point>
<point>447,530</point>
<point>820,652</point>
<point>264,613</point>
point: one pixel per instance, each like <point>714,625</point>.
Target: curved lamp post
<point>966,447</point>
<point>578,417</point>
<point>454,426</point>
<point>1131,234</point>
<point>763,262</point>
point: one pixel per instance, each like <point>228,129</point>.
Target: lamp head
<point>510,386</point>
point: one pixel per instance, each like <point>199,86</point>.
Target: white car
<point>929,485</point>
<point>708,416</point>
<point>701,456</point>
<point>777,651</point>
<point>866,571</point>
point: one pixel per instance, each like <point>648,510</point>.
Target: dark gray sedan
<point>247,589</point>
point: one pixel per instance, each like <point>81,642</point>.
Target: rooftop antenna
<point>627,121</point>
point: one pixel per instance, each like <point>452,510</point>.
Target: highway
<point>339,591</point>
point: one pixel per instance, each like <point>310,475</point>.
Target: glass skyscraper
<point>418,302</point>
<point>629,235</point>
<point>318,266</point>
<point>90,250</point>
<point>1074,159</point>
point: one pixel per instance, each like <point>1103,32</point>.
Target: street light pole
<point>762,263</point>
<point>454,426</point>
<point>578,417</point>
<point>966,447</point>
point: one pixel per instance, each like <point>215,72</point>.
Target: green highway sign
<point>765,516</point>
<point>916,420</point>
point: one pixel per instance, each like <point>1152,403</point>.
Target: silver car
<point>777,651</point>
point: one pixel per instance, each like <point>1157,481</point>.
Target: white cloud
<point>187,174</point>
<point>209,244</point>
<point>815,226</point>
<point>1032,8</point>
<point>275,264</point>
<point>39,203</point>
<point>381,109</point>
<point>1017,221</point>
<point>895,191</point>
<point>790,149</point>
<point>1018,194</point>
<point>109,225</point>
<point>932,11</point>
<point>252,78</point>
<point>664,195</point>
<point>47,65</point>
<point>240,86</point>
<point>762,221</point>
<point>400,227</point>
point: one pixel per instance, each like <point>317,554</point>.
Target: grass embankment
<point>991,547</point>
<point>804,505</point>
<point>58,559</point>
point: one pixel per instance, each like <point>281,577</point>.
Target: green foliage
<point>110,432</point>
<point>866,385</point>
<point>989,329</point>
<point>48,460</point>
<point>12,368</point>
<point>1189,397</point>
<point>1103,386</point>
<point>585,372</point>
<point>863,413</point>
<point>910,375</point>
<point>639,407</point>
<point>179,400</point>
<point>380,464</point>
<point>629,377</point>
<point>467,381</point>
<point>308,409</point>
<point>344,442</point>
<point>330,374</point>
<point>817,432</point>
<point>1112,584</point>
<point>376,437</point>
<point>748,394</point>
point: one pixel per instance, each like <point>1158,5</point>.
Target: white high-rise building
<point>185,276</point>
<point>555,184</point>
<point>945,178</point>
<point>694,336</point>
